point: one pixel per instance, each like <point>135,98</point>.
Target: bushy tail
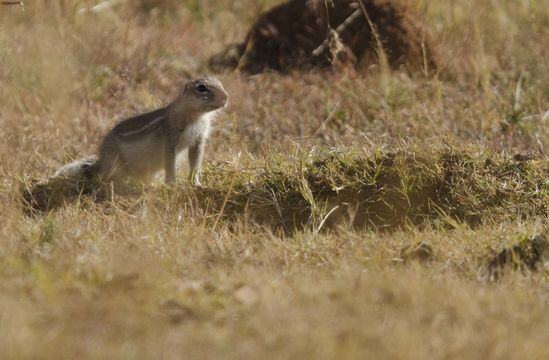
<point>66,184</point>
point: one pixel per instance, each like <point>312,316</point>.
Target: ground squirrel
<point>143,145</point>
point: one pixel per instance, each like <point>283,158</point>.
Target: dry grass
<point>208,273</point>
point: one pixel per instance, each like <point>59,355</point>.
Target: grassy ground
<point>314,184</point>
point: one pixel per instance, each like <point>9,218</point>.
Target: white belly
<point>189,137</point>
<point>147,154</point>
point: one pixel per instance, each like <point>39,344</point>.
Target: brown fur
<point>138,147</point>
<point>145,144</point>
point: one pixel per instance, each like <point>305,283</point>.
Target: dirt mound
<point>301,34</point>
<point>50,194</point>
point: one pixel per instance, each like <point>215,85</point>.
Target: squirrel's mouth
<point>218,106</point>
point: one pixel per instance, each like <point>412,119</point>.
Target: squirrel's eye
<point>202,88</point>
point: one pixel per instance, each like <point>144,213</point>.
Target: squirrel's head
<point>203,95</point>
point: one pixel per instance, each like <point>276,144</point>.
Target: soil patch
<point>302,34</point>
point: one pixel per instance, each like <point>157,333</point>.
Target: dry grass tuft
<point>376,189</point>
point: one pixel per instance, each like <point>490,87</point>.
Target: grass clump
<point>529,253</point>
<point>380,189</point>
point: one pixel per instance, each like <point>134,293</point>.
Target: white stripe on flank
<point>133,132</point>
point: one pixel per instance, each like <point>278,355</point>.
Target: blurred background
<point>69,70</point>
